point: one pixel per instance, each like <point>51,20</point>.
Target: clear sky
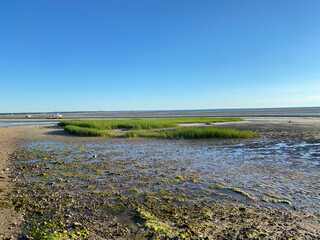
<point>158,54</point>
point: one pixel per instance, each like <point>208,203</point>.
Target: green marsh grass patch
<point>146,124</point>
<point>142,127</point>
<point>193,133</point>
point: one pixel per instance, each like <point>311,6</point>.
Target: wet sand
<point>306,224</point>
<point>299,129</point>
<point>11,139</point>
<point>8,144</point>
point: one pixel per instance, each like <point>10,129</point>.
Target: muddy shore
<point>155,200</point>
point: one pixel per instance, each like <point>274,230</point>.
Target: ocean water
<point>301,112</point>
<point>2,124</point>
<point>306,112</point>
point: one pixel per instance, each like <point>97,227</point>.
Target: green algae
<point>273,200</point>
<point>237,190</point>
<point>53,229</point>
<point>158,229</point>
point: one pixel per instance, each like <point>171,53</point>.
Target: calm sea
<point>301,112</point>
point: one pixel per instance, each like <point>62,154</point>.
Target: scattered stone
<point>77,225</point>
<point>242,209</point>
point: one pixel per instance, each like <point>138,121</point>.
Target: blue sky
<point>158,54</point>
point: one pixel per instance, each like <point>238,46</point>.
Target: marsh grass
<point>138,124</point>
<point>193,133</point>
<point>139,127</point>
<point>85,131</point>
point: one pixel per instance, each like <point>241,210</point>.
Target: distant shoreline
<point>181,110</point>
<point>307,112</point>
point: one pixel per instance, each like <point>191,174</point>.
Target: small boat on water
<point>55,116</point>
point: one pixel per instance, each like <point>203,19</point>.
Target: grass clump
<point>85,131</point>
<point>194,133</point>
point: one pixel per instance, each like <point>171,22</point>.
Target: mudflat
<point>59,185</point>
<point>8,144</point>
<point>299,129</point>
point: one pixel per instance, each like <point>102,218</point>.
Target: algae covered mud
<point>95,188</point>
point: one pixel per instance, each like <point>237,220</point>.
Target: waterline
<point>2,124</point>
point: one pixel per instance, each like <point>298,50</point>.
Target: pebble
<point>77,225</point>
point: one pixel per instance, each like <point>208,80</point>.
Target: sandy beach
<point>299,224</point>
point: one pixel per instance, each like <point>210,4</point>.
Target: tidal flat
<point>68,187</point>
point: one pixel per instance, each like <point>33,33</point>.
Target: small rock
<point>28,237</point>
<point>77,225</point>
<point>242,209</point>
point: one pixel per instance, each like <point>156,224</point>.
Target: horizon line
<point>164,110</point>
